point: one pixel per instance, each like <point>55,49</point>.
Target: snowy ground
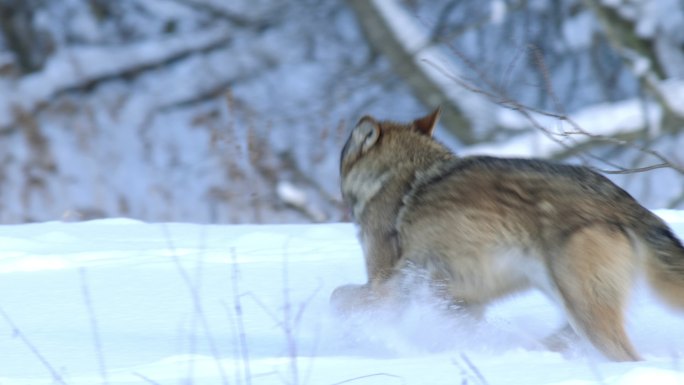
<point>124,302</point>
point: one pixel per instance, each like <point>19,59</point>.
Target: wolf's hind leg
<point>594,273</point>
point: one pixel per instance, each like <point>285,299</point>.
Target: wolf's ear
<point>426,125</point>
<point>368,131</point>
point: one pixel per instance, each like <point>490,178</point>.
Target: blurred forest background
<point>235,111</point>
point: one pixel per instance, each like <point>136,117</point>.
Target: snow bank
<point>163,307</point>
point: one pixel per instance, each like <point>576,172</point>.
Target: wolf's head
<point>381,155</point>
<point>370,134</point>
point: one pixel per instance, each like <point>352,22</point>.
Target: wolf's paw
<point>348,299</point>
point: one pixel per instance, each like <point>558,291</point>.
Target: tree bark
<point>383,39</point>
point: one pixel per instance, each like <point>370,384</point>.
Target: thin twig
<point>306,303</point>
<point>197,304</point>
<point>401,379</point>
<point>85,289</point>
<point>235,18</point>
<point>237,306</point>
<point>298,319</point>
<point>287,318</point>
<point>146,379</point>
<point>265,308</point>
<point>474,369</point>
<point>17,333</point>
<point>544,70</point>
<point>527,111</point>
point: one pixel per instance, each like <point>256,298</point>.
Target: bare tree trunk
<point>384,40</point>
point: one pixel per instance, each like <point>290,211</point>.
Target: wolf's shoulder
<point>490,166</point>
<point>524,172</point>
<point>540,167</point>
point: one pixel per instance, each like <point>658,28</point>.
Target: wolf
<point>480,228</point>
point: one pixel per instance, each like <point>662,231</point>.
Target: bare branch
<point>558,137</point>
<point>237,308</point>
<point>146,379</point>
<point>18,333</point>
<point>197,304</point>
<point>99,352</point>
<point>233,18</point>
<point>78,80</point>
<point>400,379</point>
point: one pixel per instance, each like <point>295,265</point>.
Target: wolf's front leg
<point>381,256</point>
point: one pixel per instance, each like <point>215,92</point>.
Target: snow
<point>120,301</point>
<point>497,11</point>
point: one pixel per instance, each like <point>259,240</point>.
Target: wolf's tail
<point>665,260</point>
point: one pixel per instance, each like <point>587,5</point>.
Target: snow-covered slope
<point>124,302</point>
